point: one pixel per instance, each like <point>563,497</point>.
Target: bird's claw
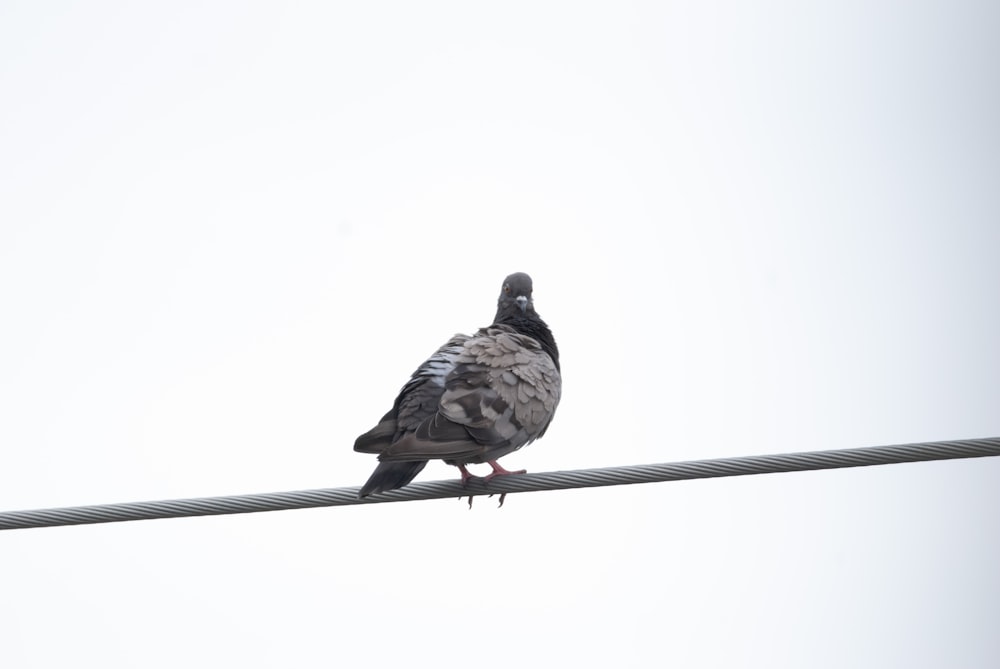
<point>485,480</point>
<point>503,496</point>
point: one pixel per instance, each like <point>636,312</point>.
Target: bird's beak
<point>522,302</point>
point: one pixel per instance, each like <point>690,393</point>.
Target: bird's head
<point>515,294</point>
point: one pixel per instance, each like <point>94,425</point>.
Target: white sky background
<point>231,231</point>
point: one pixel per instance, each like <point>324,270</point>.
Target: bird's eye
<point>506,288</point>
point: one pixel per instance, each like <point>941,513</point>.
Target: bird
<point>476,399</point>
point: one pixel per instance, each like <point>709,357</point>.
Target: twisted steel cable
<point>581,478</point>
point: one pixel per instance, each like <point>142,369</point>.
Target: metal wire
<point>581,478</point>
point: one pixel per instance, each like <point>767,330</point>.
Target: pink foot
<point>466,475</point>
<point>500,471</point>
<point>497,471</point>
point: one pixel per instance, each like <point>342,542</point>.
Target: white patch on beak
<point>522,302</point>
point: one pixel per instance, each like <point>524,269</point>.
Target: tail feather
<point>391,475</point>
<point>379,437</point>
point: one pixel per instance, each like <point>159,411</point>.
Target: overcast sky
<point>230,231</point>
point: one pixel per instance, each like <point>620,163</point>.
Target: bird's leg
<point>466,475</point>
<point>500,471</point>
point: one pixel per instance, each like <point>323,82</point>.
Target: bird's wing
<point>417,400</point>
<point>500,395</point>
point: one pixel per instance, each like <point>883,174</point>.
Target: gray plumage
<point>477,399</point>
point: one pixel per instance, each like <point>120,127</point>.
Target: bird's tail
<point>391,475</point>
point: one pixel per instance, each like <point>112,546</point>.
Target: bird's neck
<point>531,325</point>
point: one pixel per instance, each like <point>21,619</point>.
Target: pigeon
<point>476,399</point>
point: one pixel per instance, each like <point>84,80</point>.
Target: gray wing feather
<point>500,395</point>
<point>417,400</point>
